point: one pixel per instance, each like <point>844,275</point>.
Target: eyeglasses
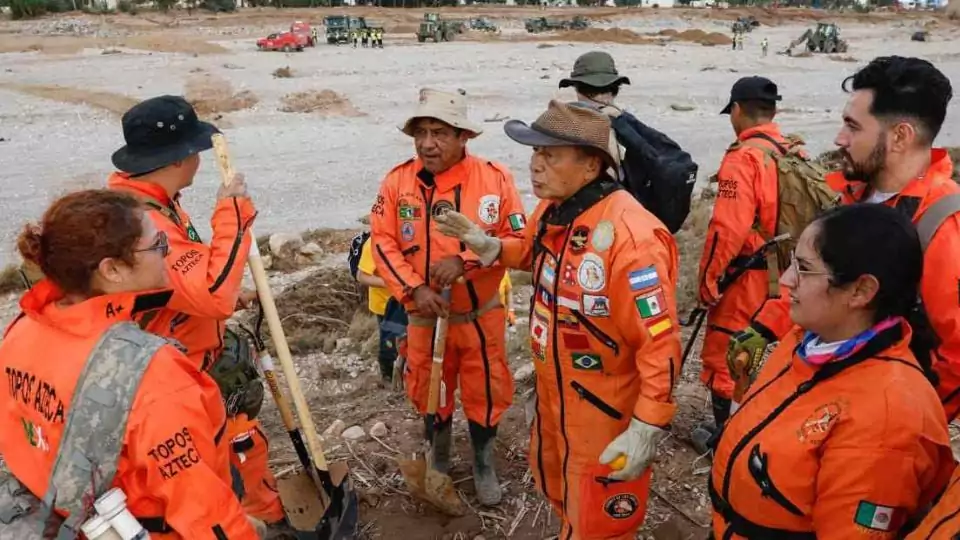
<point>795,265</point>
<point>160,244</point>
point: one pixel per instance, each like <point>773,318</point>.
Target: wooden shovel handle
<point>273,322</point>
<point>436,369</point>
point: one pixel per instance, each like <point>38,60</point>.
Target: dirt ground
<point>314,132</point>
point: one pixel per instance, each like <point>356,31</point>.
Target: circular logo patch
<point>489,211</point>
<point>441,207</point>
<point>590,274</point>
<point>621,506</point>
<point>602,237</point>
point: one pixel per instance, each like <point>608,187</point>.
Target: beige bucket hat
<point>447,107</point>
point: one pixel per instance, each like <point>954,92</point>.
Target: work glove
<point>638,444</point>
<point>745,351</point>
<point>457,225</point>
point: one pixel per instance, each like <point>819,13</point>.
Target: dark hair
<point>875,239</point>
<point>591,91</point>
<point>77,232</point>
<point>905,89</point>
<point>756,109</point>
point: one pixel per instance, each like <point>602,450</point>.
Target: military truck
<point>543,24</point>
<point>483,24</point>
<point>338,27</point>
<point>434,27</point>
<point>824,38</point>
<point>745,24</point>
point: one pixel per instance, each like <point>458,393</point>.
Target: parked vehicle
<point>282,41</point>
<point>338,27</point>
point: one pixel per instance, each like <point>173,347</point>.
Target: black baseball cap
<point>752,89</point>
<point>160,132</point>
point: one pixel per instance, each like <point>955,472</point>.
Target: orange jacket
<point>206,279</point>
<point>943,521</point>
<point>182,480</point>
<point>747,190</point>
<point>851,449</point>
<point>406,244</point>
<point>940,285</point>
<point>605,315</point>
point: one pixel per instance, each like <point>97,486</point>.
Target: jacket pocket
<point>757,465</point>
<point>595,400</point>
<point>597,333</point>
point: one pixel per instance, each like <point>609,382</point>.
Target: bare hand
<point>445,272</point>
<point>236,188</point>
<point>430,302</point>
<point>246,299</point>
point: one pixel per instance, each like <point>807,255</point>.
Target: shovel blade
<point>432,486</point>
<point>414,472</point>
<point>316,514</point>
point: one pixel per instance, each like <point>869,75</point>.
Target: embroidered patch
<point>548,276</point>
<point>192,234</point>
<point>538,337</point>
<point>575,341</point>
<point>590,274</point>
<point>596,306</point>
<point>602,237</point>
<point>878,517</point>
<point>517,222</point>
<point>651,304</point>
<point>568,300</point>
<point>578,239</point>
<point>406,231</point>
<point>644,278</point>
<point>586,361</point>
<point>569,276</point>
<point>407,211</point>
<point>621,506</point>
<point>659,327</point>
<point>489,211</point>
<point>441,207</point>
<point>546,298</point>
<point>818,425</point>
<point>542,311</point>
<point>568,321</point>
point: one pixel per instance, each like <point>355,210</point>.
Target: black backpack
<point>356,248</point>
<point>656,171</point>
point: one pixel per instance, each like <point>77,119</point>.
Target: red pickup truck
<point>282,41</point>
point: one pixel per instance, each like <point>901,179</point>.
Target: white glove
<point>453,223</point>
<point>639,444</point>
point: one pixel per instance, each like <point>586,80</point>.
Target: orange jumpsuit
<point>746,196</point>
<point>206,280</point>
<point>943,521</point>
<point>183,482</point>
<point>407,244</point>
<point>606,343</point>
<point>940,286</point>
<point>851,449</point>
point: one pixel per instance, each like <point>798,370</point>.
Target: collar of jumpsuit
<point>447,179</point>
<point>124,182</point>
<point>770,128</point>
<point>940,170</point>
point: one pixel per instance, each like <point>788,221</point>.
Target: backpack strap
<point>935,216</point>
<point>89,452</point>
<point>163,209</point>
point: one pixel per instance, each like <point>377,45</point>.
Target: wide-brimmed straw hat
<point>447,107</point>
<point>568,124</point>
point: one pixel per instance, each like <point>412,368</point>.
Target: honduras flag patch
<point>644,278</point>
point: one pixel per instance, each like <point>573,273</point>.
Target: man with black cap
<point>603,328</point>
<point>744,214</point>
<point>164,138</point>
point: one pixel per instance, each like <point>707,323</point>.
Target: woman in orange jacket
<point>842,434</point>
<point>104,264</point>
<point>943,521</point>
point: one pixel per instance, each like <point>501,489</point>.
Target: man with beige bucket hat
<point>603,328</point>
<point>417,263</point>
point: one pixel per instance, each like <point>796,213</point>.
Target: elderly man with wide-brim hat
<point>603,328</point>
<point>419,265</point>
<point>164,139</point>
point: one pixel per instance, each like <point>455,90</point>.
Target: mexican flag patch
<point>877,517</point>
<point>517,221</point>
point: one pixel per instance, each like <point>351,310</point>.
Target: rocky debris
<point>379,430</point>
<point>681,107</point>
<point>311,252</point>
<point>335,429</point>
<point>524,372</point>
<point>353,433</point>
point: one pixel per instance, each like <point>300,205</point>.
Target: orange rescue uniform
<point>189,491</point>
<point>746,198</point>
<point>206,280</point>
<point>606,343</point>
<point>940,285</point>
<point>850,449</point>
<point>406,244</point>
<point>943,521</point>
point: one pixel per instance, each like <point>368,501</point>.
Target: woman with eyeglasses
<point>842,435</point>
<point>104,265</point>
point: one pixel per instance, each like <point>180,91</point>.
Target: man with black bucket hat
<point>164,138</point>
<point>603,325</point>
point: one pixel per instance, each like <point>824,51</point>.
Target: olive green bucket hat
<point>596,69</point>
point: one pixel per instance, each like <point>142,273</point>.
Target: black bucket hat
<point>159,132</point>
<point>596,69</point>
<point>752,89</point>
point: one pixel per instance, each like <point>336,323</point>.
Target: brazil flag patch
<point>587,361</point>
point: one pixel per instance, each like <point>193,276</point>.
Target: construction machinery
<point>920,35</point>
<point>434,27</point>
<point>339,27</point>
<point>745,24</point>
<point>483,24</point>
<point>543,24</point>
<point>824,38</point>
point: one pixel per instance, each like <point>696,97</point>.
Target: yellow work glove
<point>745,352</point>
<point>457,225</point>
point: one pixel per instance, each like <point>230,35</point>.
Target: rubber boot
<point>484,475</point>
<point>386,370</point>
<point>705,437</point>
<point>441,445</point>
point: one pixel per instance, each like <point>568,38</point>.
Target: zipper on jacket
<point>597,333</point>
<point>428,214</point>
<point>558,260</point>
<point>757,465</point>
<point>595,400</point>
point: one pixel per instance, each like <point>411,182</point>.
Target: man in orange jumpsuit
<point>416,263</point>
<point>603,328</point>
<point>744,217</point>
<point>895,110</point>
<point>164,138</point>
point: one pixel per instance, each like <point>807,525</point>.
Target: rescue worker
<point>391,317</point>
<point>417,263</point>
<point>842,435</point>
<point>595,78</point>
<point>744,217</point>
<point>603,327</point>
<point>895,110</point>
<point>164,138</point>
<point>103,259</point>
<point>943,521</point>
<point>364,37</point>
<point>764,44</point>
<point>354,37</point>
